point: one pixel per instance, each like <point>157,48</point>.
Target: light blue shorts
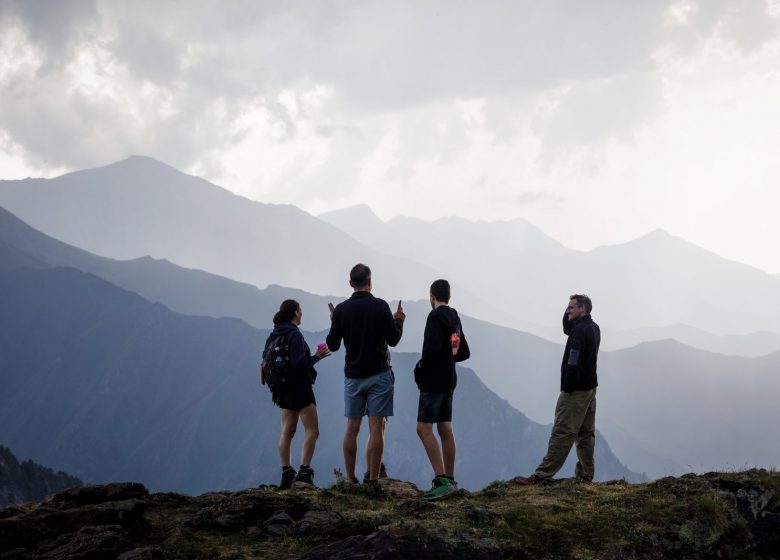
<point>372,396</point>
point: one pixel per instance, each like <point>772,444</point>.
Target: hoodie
<point>435,372</point>
<point>301,360</point>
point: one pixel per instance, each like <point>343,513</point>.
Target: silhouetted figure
<point>367,326</point>
<point>575,413</point>
<point>444,343</point>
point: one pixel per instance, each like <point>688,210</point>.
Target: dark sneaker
<point>288,477</point>
<point>441,488</point>
<point>305,475</point>
<point>382,473</point>
<point>528,480</point>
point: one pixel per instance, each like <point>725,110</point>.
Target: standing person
<point>367,327</point>
<point>444,344</point>
<point>575,413</point>
<point>296,396</point>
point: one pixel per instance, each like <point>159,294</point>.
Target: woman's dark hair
<point>286,311</point>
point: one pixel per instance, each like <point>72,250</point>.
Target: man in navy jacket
<point>575,412</point>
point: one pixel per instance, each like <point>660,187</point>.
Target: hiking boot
<point>441,488</point>
<point>528,480</point>
<point>288,477</point>
<point>382,474</point>
<point>305,475</point>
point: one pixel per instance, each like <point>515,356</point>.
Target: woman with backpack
<point>288,370</point>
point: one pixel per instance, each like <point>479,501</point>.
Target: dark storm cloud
<point>182,73</point>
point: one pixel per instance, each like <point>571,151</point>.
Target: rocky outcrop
<point>717,515</point>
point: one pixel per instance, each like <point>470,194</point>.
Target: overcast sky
<point>597,121</point>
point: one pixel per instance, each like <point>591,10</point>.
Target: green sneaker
<point>441,488</point>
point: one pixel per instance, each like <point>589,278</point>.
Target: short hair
<point>441,290</point>
<point>359,276</point>
<point>583,300</point>
<point>286,311</point>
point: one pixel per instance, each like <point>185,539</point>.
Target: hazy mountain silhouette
<point>140,207</point>
<point>750,345</point>
<point>520,367</point>
<point>108,386</point>
<point>27,481</point>
<point>652,281</point>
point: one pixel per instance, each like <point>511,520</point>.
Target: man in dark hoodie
<point>367,326</point>
<point>444,344</point>
<point>575,413</point>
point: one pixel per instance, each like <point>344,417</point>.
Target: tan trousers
<point>575,421</point>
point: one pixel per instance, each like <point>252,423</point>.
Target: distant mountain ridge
<point>140,207</point>
<point>532,274</point>
<point>519,367</point>
<point>27,481</point>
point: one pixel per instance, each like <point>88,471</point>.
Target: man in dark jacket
<point>367,327</point>
<point>575,413</point>
<point>444,344</point>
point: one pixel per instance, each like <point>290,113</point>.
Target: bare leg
<point>311,430</point>
<point>349,446</point>
<point>431,444</point>
<point>376,445</point>
<point>289,424</point>
<point>382,458</point>
<point>448,447</point>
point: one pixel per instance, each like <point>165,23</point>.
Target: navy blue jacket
<point>301,360</point>
<point>367,326</point>
<point>578,367</point>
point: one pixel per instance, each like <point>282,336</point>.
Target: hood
<point>283,328</point>
<point>447,316</point>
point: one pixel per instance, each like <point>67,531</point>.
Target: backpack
<point>275,366</point>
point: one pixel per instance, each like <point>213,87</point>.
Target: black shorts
<point>434,407</point>
<point>296,397</point>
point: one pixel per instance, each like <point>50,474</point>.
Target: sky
<point>596,121</point>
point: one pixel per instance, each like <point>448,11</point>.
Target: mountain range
<point>654,281</point>
<point>109,386</point>
<point>516,365</point>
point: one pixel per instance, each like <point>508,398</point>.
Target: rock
<point>246,509</point>
<point>320,522</point>
<point>45,522</point>
<point>399,489</point>
<point>88,542</point>
<point>98,494</point>
<point>280,518</point>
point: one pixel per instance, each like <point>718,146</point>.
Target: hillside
<point>718,515</point>
<point>28,481</point>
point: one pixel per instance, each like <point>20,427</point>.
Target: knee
<point>288,433</point>
<point>424,430</point>
<point>352,431</point>
<point>313,433</point>
<point>445,432</point>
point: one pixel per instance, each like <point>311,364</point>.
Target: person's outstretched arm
<point>333,340</point>
<point>393,324</point>
<point>464,352</point>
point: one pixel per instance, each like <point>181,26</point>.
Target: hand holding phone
<point>399,313</point>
